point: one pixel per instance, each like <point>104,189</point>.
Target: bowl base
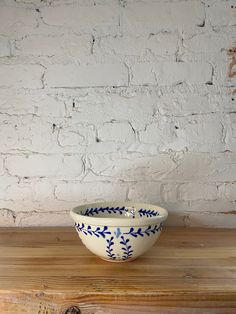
<point>118,261</point>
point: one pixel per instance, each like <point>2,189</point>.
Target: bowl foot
<point>118,261</point>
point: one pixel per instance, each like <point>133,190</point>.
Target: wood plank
<point>47,270</point>
<point>104,270</point>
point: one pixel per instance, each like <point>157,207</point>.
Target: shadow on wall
<point>190,186</point>
<point>197,189</point>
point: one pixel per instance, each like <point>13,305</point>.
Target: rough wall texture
<point>126,100</point>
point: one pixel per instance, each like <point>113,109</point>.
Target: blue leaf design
<point>98,232</point>
<point>148,213</point>
<point>127,251</point>
<point>109,210</point>
<point>109,248</point>
<point>142,232</point>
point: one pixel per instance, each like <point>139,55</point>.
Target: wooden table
<point>48,270</point>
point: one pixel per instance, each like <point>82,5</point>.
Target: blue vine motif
<point>148,213</point>
<point>142,232</point>
<point>109,210</point>
<point>125,242</point>
<point>97,232</point>
<point>113,210</point>
<point>109,248</point>
<point>127,249</point>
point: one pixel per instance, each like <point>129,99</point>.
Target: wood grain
<point>48,270</point>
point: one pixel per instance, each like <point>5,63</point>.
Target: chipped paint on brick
<point>129,100</point>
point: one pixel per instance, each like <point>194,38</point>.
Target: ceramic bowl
<point>117,231</point>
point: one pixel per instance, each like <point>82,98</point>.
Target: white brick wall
<point>171,73</point>
<point>21,76</point>
<point>163,16</point>
<point>44,166</point>
<point>97,75</point>
<point>83,18</point>
<point>109,99</point>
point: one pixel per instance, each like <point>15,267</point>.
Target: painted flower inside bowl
<point>118,231</point>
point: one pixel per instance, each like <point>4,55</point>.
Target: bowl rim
<point>118,222</point>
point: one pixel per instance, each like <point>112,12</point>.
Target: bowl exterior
<point>118,243</point>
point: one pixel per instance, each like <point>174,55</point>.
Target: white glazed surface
<point>118,231</point>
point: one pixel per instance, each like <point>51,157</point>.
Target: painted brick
<point>207,43</point>
<point>16,20</point>
<point>221,13</point>
<point>5,182</point>
<point>22,133</point>
<point>90,75</point>
<point>117,132</point>
<point>76,136</point>
<point>187,103</point>
<point>159,16</point>
<point>228,191</point>
<point>26,76</point>
<point>82,18</point>
<point>1,166</point>
<point>5,47</point>
<point>197,191</point>
<point>18,192</point>
<point>126,100</point>
<point>90,192</point>
<point>210,220</point>
<point>145,192</point>
<point>40,166</point>
<point>8,136</point>
<point>37,191</point>
<point>212,167</point>
<point>136,108</point>
<point>130,167</point>
<point>22,103</point>
<point>169,192</point>
<point>191,133</point>
<point>221,206</point>
<point>170,73</point>
<point>161,44</point>
<point>41,45</point>
<point>48,219</point>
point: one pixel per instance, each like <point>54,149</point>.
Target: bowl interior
<point>125,212</point>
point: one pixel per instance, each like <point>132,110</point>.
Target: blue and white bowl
<point>116,231</point>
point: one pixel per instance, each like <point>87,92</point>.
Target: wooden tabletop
<point>48,270</point>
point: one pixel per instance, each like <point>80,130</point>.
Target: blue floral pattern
<point>98,232</point>
<point>121,210</point>
<point>109,210</point>
<point>124,238</point>
<point>109,248</point>
<point>126,247</point>
<point>142,232</point>
<point>147,213</point>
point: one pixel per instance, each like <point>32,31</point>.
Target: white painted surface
<point>117,100</point>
